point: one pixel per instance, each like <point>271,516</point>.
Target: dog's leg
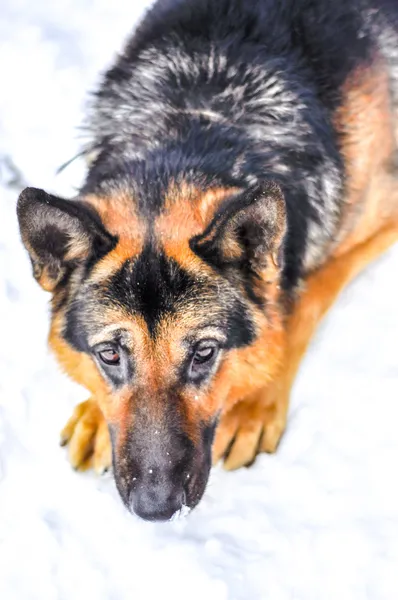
<point>87,436</point>
<point>256,424</point>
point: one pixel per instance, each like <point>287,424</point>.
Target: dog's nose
<point>156,501</point>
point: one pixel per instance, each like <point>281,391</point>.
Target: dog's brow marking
<point>105,333</point>
<point>209,331</point>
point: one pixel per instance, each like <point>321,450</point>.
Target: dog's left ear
<point>59,234</point>
<point>248,231</point>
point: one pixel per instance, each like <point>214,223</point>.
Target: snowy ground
<point>318,521</point>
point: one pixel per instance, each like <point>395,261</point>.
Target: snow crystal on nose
<point>181,513</point>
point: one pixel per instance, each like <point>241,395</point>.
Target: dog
<point>243,170</point>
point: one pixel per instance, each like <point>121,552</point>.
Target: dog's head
<point>167,319</point>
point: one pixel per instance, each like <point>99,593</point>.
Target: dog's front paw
<point>87,436</point>
<point>247,429</point>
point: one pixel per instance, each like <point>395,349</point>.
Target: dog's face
<point>167,321</point>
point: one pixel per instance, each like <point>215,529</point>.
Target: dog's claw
<point>102,470</point>
<point>246,430</point>
<point>87,436</point>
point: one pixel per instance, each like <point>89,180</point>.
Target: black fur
<point>230,92</point>
<point>152,286</point>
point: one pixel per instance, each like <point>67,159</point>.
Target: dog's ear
<point>59,234</point>
<point>247,231</point>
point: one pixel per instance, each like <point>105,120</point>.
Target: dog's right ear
<point>59,234</point>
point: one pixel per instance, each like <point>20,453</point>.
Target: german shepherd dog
<point>243,170</point>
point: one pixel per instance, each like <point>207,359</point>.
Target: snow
<point>317,521</point>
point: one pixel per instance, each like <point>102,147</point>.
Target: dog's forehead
<point>159,303</point>
<point>153,285</point>
<point>149,290</point>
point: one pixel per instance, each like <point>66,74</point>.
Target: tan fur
<point>188,210</point>
<point>120,218</point>
<point>365,120</point>
<point>257,423</point>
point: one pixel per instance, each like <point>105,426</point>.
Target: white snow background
<point>317,521</point>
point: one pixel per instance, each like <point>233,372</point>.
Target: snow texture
<point>317,521</point>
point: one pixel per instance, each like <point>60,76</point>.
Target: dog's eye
<point>109,356</point>
<point>203,358</point>
<point>203,355</point>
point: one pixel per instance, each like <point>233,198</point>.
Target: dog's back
<point>232,92</point>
